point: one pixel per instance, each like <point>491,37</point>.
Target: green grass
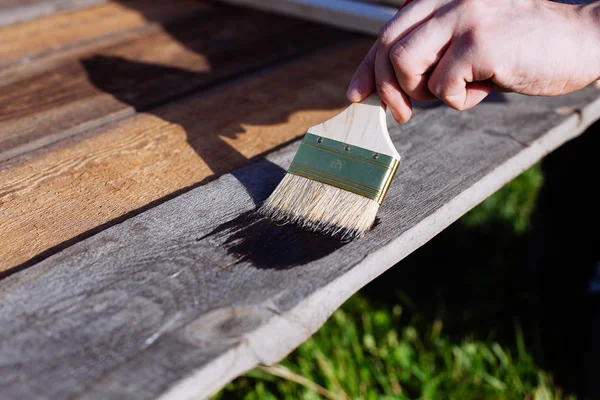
<point>513,204</point>
<point>426,331</point>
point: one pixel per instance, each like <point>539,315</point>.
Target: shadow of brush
<point>252,237</point>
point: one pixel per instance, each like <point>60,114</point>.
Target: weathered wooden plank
<point>210,46</point>
<point>346,14</point>
<point>114,170</point>
<point>25,43</point>
<point>36,50</point>
<point>15,11</point>
<point>180,299</point>
<point>27,68</point>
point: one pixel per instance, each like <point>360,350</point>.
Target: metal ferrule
<point>352,168</point>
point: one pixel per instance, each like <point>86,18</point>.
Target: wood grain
<point>114,170</point>
<point>24,43</point>
<point>362,124</point>
<point>176,301</point>
<point>35,49</point>
<point>148,70</point>
<point>16,11</point>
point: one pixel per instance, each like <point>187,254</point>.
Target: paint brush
<point>340,175</point>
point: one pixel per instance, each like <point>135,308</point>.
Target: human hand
<point>460,50</point>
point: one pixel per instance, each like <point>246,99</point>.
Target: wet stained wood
<point>178,300</point>
<point>114,82</point>
<point>109,172</point>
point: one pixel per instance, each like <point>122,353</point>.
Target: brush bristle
<point>322,208</point>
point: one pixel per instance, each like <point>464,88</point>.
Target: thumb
<point>363,81</point>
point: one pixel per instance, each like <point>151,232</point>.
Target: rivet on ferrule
<point>359,171</point>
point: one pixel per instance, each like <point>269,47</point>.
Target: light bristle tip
<point>319,207</point>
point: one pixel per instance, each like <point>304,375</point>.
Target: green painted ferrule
<point>347,167</point>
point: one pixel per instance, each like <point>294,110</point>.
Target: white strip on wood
<point>350,15</point>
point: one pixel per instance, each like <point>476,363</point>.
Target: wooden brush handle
<point>362,124</point>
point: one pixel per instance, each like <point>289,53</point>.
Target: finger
<point>388,89</point>
<point>417,53</point>
<point>363,81</point>
<point>410,16</point>
<point>453,80</point>
<point>386,83</point>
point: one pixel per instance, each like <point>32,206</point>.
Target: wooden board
<point>15,11</point>
<point>45,44</point>
<point>108,173</point>
<point>177,301</point>
<point>24,43</point>
<point>147,70</point>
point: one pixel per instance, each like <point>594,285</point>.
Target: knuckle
<point>477,41</point>
<point>386,34</point>
<point>385,89</point>
<point>399,55</point>
<point>439,90</point>
<point>454,102</point>
<point>415,86</point>
<point>473,38</point>
<point>435,87</point>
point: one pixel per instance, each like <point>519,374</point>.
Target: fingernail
<point>354,91</point>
